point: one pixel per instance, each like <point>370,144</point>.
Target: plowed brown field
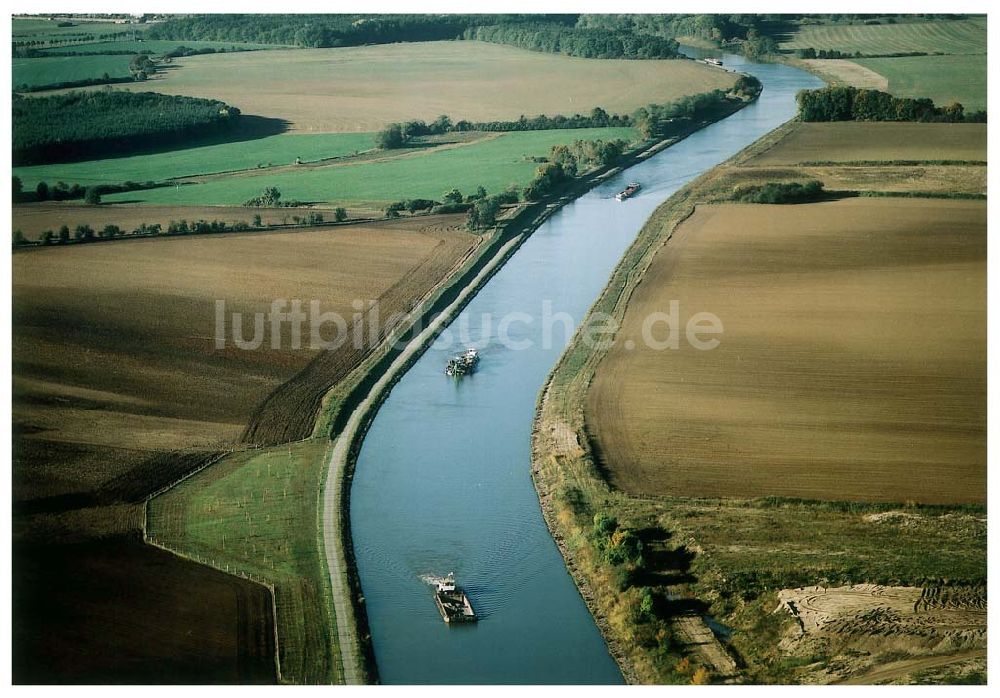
<point>852,364</point>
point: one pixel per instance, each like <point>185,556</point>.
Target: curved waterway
<point>443,480</point>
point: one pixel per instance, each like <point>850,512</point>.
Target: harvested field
<point>846,142</point>
<point>839,71</point>
<point>363,88</point>
<point>168,620</point>
<point>147,308</point>
<point>852,365</point>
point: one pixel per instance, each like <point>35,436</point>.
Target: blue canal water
<point>443,480</point>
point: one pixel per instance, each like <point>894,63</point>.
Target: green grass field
<point>256,513</point>
<point>944,79</point>
<point>493,163</point>
<point>50,70</point>
<point>274,150</point>
<point>942,36</point>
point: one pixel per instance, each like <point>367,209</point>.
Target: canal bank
<point>443,483</point>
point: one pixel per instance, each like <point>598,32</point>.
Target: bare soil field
<point>922,627</point>
<point>852,364</point>
<point>168,620</point>
<point>869,142</point>
<point>119,390</point>
<point>364,88</point>
<point>35,219</point>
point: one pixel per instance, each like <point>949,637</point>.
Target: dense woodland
<point>575,41</point>
<point>79,124</point>
<point>844,103</point>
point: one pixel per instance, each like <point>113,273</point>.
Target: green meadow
<point>944,79</point>
<point>276,150</point>
<point>493,163</point>
<point>51,70</point>
<point>966,36</point>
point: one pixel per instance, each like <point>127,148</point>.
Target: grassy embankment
<point>954,70</point>
<point>728,556</point>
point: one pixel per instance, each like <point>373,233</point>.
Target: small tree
<point>110,231</point>
<point>84,233</point>
<point>453,197</point>
<point>390,137</point>
<point>64,234</point>
<point>19,239</point>
<point>42,191</point>
<point>47,237</point>
<point>256,221</point>
<point>340,214</point>
<point>92,197</point>
<point>16,188</point>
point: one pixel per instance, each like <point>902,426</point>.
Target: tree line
<point>399,134</point>
<point>578,41</point>
<point>550,33</point>
<point>85,233</point>
<point>846,103</point>
<point>326,31</point>
<point>88,124</point>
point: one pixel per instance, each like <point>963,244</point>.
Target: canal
<point>443,481</point>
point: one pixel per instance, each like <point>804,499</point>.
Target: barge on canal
<point>452,602</point>
<point>463,364</point>
<point>628,191</point>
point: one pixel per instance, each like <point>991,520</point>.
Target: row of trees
<point>653,121</point>
<point>85,233</point>
<point>66,192</point>
<point>93,124</point>
<point>845,103</point>
<point>399,134</point>
<point>834,53</point>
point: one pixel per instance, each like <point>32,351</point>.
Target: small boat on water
<point>628,191</point>
<point>462,364</point>
<point>452,602</point>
